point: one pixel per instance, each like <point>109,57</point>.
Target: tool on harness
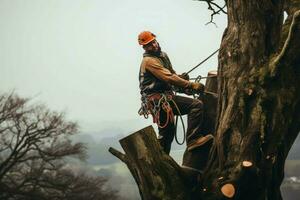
<point>161,101</point>
<point>152,104</point>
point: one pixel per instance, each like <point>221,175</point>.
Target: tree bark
<point>258,108</point>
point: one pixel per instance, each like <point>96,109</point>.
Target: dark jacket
<point>157,75</point>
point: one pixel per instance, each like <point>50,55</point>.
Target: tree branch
<point>118,154</point>
<point>290,52</point>
<point>214,8</point>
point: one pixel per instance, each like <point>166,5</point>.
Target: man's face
<point>152,47</point>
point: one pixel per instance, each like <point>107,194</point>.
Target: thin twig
<point>215,8</point>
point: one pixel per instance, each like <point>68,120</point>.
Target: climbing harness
<point>158,102</point>
<point>154,104</point>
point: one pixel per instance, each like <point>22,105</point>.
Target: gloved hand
<point>198,87</point>
<point>185,76</point>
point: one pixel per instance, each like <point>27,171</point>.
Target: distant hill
<point>98,147</point>
<point>97,150</point>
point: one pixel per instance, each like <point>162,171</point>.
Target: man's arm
<point>154,66</point>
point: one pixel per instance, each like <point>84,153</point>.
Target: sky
<point>82,56</point>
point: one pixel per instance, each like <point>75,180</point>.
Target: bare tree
<point>258,116</point>
<point>34,145</point>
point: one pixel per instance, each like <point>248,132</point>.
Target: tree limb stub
<point>247,164</point>
<point>228,190</point>
<point>118,154</point>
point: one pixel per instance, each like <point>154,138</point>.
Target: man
<point>156,80</point>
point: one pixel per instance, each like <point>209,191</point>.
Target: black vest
<point>149,84</point>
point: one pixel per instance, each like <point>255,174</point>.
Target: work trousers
<point>194,109</point>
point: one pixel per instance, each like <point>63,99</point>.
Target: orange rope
<point>170,115</point>
<point>162,104</point>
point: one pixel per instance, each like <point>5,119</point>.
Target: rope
<point>203,61</point>
<point>163,103</point>
<point>166,107</point>
<point>202,77</point>
<point>183,127</point>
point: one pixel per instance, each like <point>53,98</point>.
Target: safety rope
<point>202,61</point>
<point>164,104</point>
<point>183,127</point>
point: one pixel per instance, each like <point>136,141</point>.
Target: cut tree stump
<point>211,83</point>
<point>198,157</point>
<point>157,175</point>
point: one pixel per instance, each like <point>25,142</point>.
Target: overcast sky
<point>82,56</point>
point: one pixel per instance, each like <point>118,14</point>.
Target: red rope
<point>156,113</point>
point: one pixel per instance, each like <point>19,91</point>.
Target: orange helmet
<point>145,37</point>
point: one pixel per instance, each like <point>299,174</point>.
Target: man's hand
<point>198,87</point>
<point>184,76</point>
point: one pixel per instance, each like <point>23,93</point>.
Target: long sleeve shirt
<point>157,74</point>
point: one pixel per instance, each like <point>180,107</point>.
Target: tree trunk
<point>259,107</point>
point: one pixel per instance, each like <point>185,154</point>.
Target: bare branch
<point>118,154</point>
<point>290,52</point>
<point>215,8</point>
<point>33,144</point>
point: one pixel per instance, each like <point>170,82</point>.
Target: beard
<point>156,52</point>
